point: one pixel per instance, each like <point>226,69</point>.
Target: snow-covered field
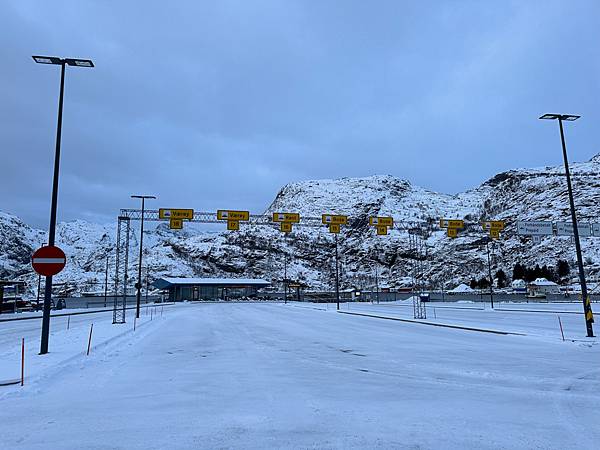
<point>304,376</point>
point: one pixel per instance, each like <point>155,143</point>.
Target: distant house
<point>519,286</point>
<point>540,287</point>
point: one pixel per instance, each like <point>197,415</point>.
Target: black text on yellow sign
<point>334,228</point>
<point>172,213</point>
<point>493,225</point>
<point>382,230</point>
<point>176,224</point>
<point>451,223</point>
<point>452,232</point>
<point>381,221</point>
<point>334,219</point>
<point>286,217</point>
<point>225,214</point>
<point>233,225</point>
<point>495,234</point>
<point>286,227</point>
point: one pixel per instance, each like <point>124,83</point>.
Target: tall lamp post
<point>62,62</point>
<point>138,285</point>
<point>587,308</point>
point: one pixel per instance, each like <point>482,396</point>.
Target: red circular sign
<point>48,260</point>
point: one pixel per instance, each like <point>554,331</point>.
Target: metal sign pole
<point>337,275</point>
<point>487,242</point>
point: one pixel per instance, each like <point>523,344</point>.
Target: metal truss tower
<point>121,265</point>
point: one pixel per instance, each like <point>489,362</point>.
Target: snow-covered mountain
<point>258,251</point>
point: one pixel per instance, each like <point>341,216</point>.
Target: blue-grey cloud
<point>218,104</point>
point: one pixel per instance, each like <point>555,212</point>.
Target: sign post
<point>285,221</point>
<point>334,222</point>
<point>48,261</point>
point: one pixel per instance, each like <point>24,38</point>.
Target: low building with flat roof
<point>181,289</point>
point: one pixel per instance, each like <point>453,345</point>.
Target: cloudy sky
<point>217,104</point>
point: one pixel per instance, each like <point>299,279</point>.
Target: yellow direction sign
<point>452,232</point>
<point>450,223</point>
<point>286,217</point>
<point>493,225</point>
<point>176,224</point>
<point>334,227</point>
<point>495,234</point>
<point>286,227</point>
<point>334,219</point>
<point>170,213</point>
<point>233,225</point>
<point>382,230</point>
<point>225,214</point>
<point>382,221</point>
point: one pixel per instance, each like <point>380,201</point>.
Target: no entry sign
<point>48,260</point>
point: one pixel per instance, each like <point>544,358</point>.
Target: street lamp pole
<point>138,285</point>
<point>587,308</point>
<point>62,62</point>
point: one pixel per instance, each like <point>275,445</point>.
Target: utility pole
<point>147,281</point>
<point>106,281</point>
<point>138,285</point>
<point>587,307</point>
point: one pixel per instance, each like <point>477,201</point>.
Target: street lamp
<point>138,285</point>
<point>587,308</point>
<point>62,62</point>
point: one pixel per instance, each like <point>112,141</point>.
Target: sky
<point>218,104</point>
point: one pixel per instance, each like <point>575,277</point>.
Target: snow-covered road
<point>290,376</point>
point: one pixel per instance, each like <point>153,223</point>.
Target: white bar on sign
<point>48,260</point>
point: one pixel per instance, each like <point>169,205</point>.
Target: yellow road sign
<point>176,224</point>
<point>233,225</point>
<point>286,217</point>
<point>450,223</point>
<point>495,234</point>
<point>286,227</point>
<point>385,221</point>
<point>226,214</point>
<point>493,225</point>
<point>334,227</point>
<point>335,219</point>
<point>170,213</point>
<point>452,232</point>
<point>382,230</point>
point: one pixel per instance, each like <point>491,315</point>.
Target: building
<point>540,287</point>
<point>519,286</point>
<point>180,289</point>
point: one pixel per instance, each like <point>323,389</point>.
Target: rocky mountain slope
<point>258,251</point>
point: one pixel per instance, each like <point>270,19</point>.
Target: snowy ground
<point>304,376</point>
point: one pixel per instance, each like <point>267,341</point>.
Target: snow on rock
<point>258,251</point>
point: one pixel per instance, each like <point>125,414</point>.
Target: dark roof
<point>166,282</point>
